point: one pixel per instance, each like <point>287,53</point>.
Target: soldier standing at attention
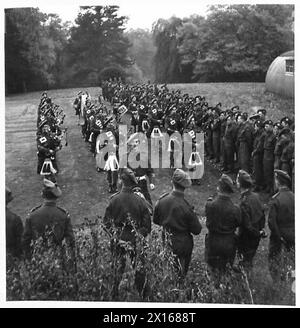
<point>14,229</point>
<point>48,216</point>
<point>178,218</point>
<point>281,221</point>
<point>123,205</point>
<point>257,155</point>
<point>252,219</point>
<point>269,157</point>
<point>222,220</point>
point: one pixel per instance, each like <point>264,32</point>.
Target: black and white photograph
<point>149,151</point>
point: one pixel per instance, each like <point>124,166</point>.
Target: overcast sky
<point>141,13</point>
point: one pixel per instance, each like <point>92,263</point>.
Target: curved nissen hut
<point>280,75</point>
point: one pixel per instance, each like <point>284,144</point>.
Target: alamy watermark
<point>157,150</point>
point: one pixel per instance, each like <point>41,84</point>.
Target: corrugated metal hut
<point>280,75</point>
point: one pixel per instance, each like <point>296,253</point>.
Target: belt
<point>143,177</point>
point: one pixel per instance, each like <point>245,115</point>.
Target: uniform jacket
<point>123,204</point>
<point>175,214</point>
<point>252,214</point>
<point>48,216</point>
<point>222,216</point>
<point>282,215</point>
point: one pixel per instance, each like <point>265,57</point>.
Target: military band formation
<point>252,153</point>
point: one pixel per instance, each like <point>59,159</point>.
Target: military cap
<point>8,195</point>
<point>244,179</point>
<point>244,116</point>
<point>182,178</point>
<point>259,124</point>
<point>51,189</point>
<point>268,122</point>
<point>225,184</point>
<point>282,177</point>
<point>286,120</point>
<point>278,125</point>
<point>235,108</point>
<point>127,176</point>
<point>261,110</point>
<point>254,117</point>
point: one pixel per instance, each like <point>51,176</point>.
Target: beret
<point>226,184</point>
<point>286,120</point>
<point>51,189</point>
<point>244,179</point>
<point>254,117</point>
<point>282,177</point>
<point>182,178</point>
<point>268,122</point>
<point>262,110</point>
<point>278,124</point>
<point>259,123</point>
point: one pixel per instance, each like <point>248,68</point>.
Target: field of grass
<point>85,191</point>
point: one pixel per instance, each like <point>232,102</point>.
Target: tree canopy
<point>231,43</point>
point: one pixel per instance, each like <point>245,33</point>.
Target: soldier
<point>14,230</point>
<point>121,205</point>
<point>252,220</point>
<point>258,154</point>
<point>282,141</point>
<point>49,217</point>
<point>244,142</point>
<point>222,220</point>
<point>268,159</point>
<point>281,221</point>
<point>216,130</point>
<point>178,218</point>
<point>229,144</point>
<point>47,146</point>
<point>144,170</point>
<point>262,113</point>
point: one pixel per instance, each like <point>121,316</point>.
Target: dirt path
<point>84,189</point>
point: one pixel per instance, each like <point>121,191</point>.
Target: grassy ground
<point>85,191</point>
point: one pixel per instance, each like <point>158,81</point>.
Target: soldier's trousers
<point>112,178</point>
<point>209,144</point>
<point>258,173</point>
<point>182,246</point>
<point>229,157</point>
<point>216,145</point>
<point>119,263</point>
<point>220,250</point>
<point>268,171</point>
<point>244,157</point>
<point>247,247</point>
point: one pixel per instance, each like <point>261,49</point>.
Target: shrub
<point>53,274</point>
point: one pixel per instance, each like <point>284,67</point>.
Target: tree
<point>97,41</point>
<point>142,52</point>
<point>241,41</point>
<point>167,58</point>
<point>32,43</point>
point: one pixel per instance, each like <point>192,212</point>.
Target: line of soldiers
<point>233,139</point>
<point>100,127</point>
<point>49,135</point>
<point>234,231</point>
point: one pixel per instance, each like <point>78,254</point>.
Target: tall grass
<point>53,274</point>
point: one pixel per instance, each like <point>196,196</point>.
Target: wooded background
<point>232,43</point>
